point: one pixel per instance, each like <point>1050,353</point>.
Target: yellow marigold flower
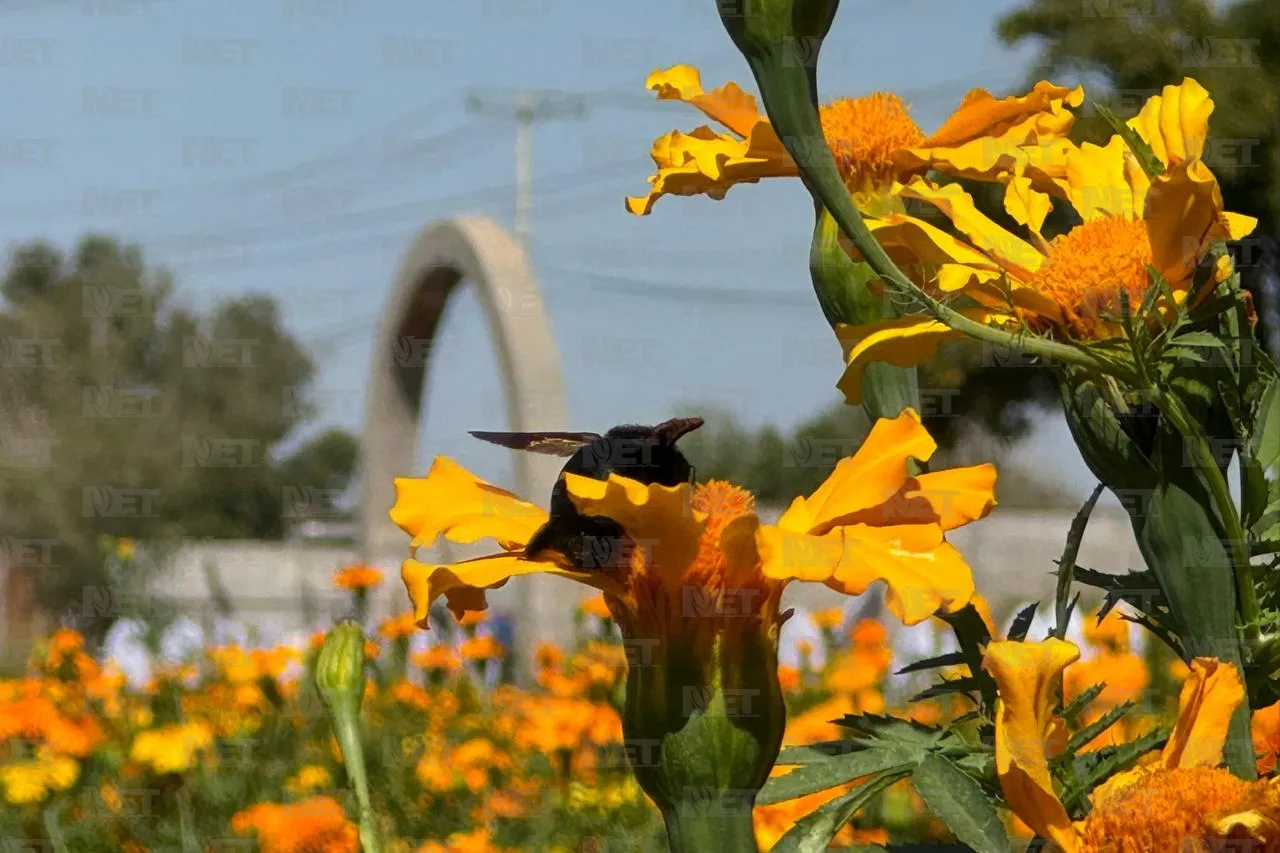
<point>597,607</point>
<point>357,577</point>
<point>873,138</point>
<point>29,782</point>
<point>1068,287</point>
<point>399,626</point>
<point>1174,800</point>
<point>870,633</point>
<point>869,521</point>
<point>309,778</point>
<point>172,749</point>
<point>317,825</point>
<point>481,648</point>
<point>475,841</point>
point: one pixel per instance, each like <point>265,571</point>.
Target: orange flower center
<point>1091,265</point>
<point>723,503</point>
<point>865,135</point>
<point>1162,811</point>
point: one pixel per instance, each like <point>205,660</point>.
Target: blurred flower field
<point>232,750</point>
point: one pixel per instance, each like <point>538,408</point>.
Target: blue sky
<point>293,147</point>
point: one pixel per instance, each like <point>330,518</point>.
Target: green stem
<point>52,829</point>
<point>785,90</point>
<point>185,824</point>
<point>346,728</point>
<point>721,826</point>
<point>1067,565</point>
<point>1246,595</point>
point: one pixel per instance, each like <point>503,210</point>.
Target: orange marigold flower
<point>437,657</point>
<point>397,627</point>
<point>596,606</point>
<point>481,648</point>
<point>1266,737</point>
<point>357,577</point>
<point>316,825</point>
<point>828,618</point>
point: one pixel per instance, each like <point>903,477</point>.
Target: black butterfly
<point>644,453</point>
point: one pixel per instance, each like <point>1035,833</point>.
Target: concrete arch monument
<point>446,254</point>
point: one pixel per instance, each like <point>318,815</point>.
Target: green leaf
<point>838,770</point>
<point>1081,737</point>
<point>1146,158</point>
<point>949,659</point>
<point>1067,564</point>
<point>813,832</point>
<point>959,802</point>
<point>1022,622</point>
<point>1093,767</point>
<point>1076,706</point>
<point>1200,339</point>
<point>964,685</point>
<point>1266,428</point>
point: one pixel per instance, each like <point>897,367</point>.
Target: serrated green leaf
<point>957,799</point>
<point>1091,768</point>
<point>1022,622</point>
<point>949,659</point>
<point>1200,339</point>
<point>817,753</point>
<point>813,832</point>
<point>838,770</point>
<point>964,686</point>
<point>1076,706</point>
<point>1266,427</point>
<point>1184,354</point>
<point>1081,737</point>
<point>871,729</point>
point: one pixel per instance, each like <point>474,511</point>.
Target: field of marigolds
<point>234,750</point>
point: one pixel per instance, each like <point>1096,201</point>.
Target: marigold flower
<point>398,626</point>
<point>828,618</point>
<point>1176,799</point>
<point>1111,632</point>
<point>1067,287</point>
<point>437,657</point>
<point>873,138</point>
<point>357,577</point>
<point>29,782</point>
<point>310,777</point>
<point>316,825</point>
<point>172,749</point>
<point>481,649</point>
<point>869,521</point>
<point>1266,737</point>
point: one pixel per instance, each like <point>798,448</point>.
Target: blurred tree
<point>124,415</point>
<point>1136,48</point>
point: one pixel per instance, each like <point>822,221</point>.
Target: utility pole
<point>526,106</point>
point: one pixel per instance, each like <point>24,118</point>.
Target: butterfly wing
<point>550,443</point>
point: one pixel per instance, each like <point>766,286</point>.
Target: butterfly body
<point>644,453</point>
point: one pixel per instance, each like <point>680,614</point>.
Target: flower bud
<point>763,26</point>
<point>340,666</point>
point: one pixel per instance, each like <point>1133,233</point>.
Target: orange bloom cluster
<point>357,577</point>
<point>316,825</point>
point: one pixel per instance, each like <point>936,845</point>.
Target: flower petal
<point>1026,676</point>
<point>464,584</point>
<point>1105,181</point>
<point>924,574</point>
<point>659,519</point>
<point>729,105</point>
<point>867,479</point>
<point>708,163</point>
<point>1209,698</point>
<point>956,496</point>
<point>901,341</point>
<point>986,136</point>
<point>1176,122</point>
<point>454,502</point>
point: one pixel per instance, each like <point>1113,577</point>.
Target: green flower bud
<point>762,26</point>
<point>340,666</point>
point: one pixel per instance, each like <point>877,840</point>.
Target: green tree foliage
<point>1138,46</point>
<point>126,415</point>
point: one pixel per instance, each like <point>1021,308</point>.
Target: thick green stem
<point>785,89</point>
<point>346,728</point>
<point>720,826</point>
<point>52,829</point>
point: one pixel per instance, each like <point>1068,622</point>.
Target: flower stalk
<point>340,680</point>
